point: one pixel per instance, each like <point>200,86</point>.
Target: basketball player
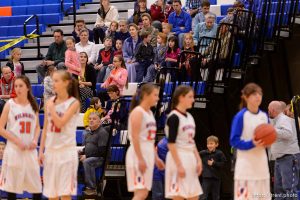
<point>59,139</point>
<point>141,154</point>
<point>183,163</point>
<point>20,168</point>
<point>251,175</point>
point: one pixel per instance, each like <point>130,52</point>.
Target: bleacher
<point>247,46</point>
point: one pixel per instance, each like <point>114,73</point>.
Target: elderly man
<point>286,153</point>
<point>181,21</point>
<point>55,55</point>
<point>92,156</point>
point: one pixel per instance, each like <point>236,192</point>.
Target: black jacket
<point>95,142</point>
<point>213,171</point>
<point>90,76</point>
<point>12,67</point>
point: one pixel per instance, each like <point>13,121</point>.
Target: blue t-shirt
<point>162,150</point>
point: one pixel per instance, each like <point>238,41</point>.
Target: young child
<point>141,155</point>
<point>229,17</point>
<point>17,67</point>
<point>159,175</point>
<point>200,17</point>
<point>251,174</point>
<point>183,163</point>
<point>137,15</point>
<point>111,31</point>
<point>173,52</point>
<point>167,29</point>
<point>212,160</point>
<point>105,60</point>
<point>144,56</point>
<point>72,58</point>
<point>60,159</point>
<point>20,168</point>
<point>119,46</point>
<point>123,33</point>
<point>159,57</point>
<point>95,106</point>
<point>48,83</point>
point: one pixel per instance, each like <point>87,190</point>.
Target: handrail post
<point>62,8</point>
<point>74,12</point>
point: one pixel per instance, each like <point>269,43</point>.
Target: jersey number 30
<point>54,129</point>
<point>25,127</point>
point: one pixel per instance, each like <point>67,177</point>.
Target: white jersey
<point>65,136</point>
<point>148,126</point>
<point>21,121</point>
<point>186,130</point>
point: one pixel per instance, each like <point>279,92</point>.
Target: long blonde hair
<point>15,50</point>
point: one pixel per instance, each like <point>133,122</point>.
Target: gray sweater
<point>286,142</point>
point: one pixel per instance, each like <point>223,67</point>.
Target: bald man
<point>286,153</point>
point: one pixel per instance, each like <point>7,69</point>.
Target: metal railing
<point>35,31</point>
<point>65,12</point>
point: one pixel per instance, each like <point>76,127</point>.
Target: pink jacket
<point>72,62</point>
<point>117,77</point>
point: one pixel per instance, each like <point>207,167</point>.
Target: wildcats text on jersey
<point>24,115</point>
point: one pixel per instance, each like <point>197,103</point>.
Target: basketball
<point>266,133</point>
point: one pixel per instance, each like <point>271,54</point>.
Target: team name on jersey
<point>60,114</point>
<point>24,115</point>
<point>187,127</point>
<point>151,124</point>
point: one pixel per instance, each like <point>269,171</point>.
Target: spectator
<point>287,160</point>
<point>14,62</point>
<point>193,6</point>
<point>136,18</point>
<point>7,89</point>
<point>95,107</point>
<point>173,52</point>
<point>166,29</point>
<point>80,25</point>
<point>48,84</point>
<point>229,17</point>
<point>105,60</point>
<point>119,46</point>
<point>180,20</point>
<point>87,80</point>
<point>129,49</point>
<point>111,31</point>
<point>158,185</point>
<point>159,57</point>
<point>205,29</point>
<point>55,55</point>
<point>187,65</point>
<point>213,160</point>
<point>118,76</point>
<point>92,156</point>
<point>123,33</point>
<point>200,17</point>
<point>144,56</point>
<point>146,18</point>
<point>160,12</point>
<point>86,46</point>
<point>106,14</point>
<point>72,58</point>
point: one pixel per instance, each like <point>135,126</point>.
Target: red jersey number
<point>151,135</point>
<point>54,129</point>
<point>25,127</point>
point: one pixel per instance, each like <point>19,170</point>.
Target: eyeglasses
<point>116,61</point>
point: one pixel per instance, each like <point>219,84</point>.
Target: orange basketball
<point>266,133</point>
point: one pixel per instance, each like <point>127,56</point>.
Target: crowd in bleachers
<point>131,51</point>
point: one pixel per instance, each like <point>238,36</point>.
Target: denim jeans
<point>90,164</point>
<point>141,70</point>
<point>42,69</point>
<point>101,74</point>
<point>158,190</point>
<point>286,177</point>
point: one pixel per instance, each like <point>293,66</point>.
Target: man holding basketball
<point>285,151</point>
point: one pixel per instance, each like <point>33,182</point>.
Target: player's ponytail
<point>181,90</point>
<point>249,89</point>
<point>145,89</point>
<point>72,88</point>
<point>30,96</point>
